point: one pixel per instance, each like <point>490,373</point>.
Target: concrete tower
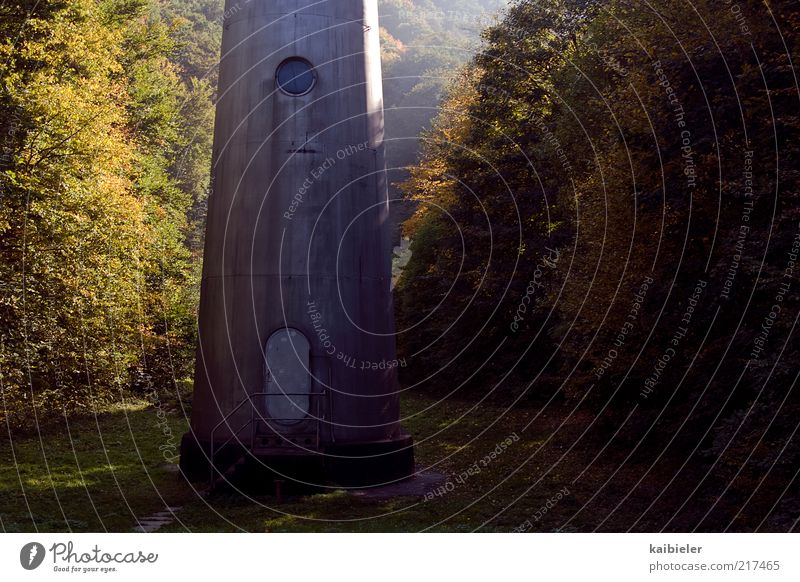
<point>296,363</point>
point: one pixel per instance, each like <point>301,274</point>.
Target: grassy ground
<point>94,474</point>
<point>103,473</point>
<point>468,505</point>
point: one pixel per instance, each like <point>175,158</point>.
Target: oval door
<point>288,377</point>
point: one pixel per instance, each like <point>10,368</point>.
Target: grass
<point>103,473</point>
<point>465,508</point>
<point>93,474</point>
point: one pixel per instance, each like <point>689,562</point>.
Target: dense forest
<point>425,42</point>
<point>106,120</point>
<point>579,147</point>
<point>608,216</point>
<point>603,212</point>
<point>106,126</point>
<point>580,190</point>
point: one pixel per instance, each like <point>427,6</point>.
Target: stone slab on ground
<point>156,521</point>
<point>420,484</point>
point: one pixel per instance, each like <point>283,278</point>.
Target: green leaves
<point>563,133</point>
<point>97,189</point>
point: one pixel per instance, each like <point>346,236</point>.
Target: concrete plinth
<point>353,465</point>
<point>296,323</point>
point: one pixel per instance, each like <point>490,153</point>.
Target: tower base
<point>349,465</point>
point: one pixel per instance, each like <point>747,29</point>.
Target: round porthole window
<point>296,76</point>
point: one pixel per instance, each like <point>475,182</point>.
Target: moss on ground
<point>103,473</point>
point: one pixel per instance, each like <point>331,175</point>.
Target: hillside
<point>608,220</point>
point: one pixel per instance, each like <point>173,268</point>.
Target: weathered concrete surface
<point>417,486</point>
<point>298,232</point>
<point>156,521</point>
